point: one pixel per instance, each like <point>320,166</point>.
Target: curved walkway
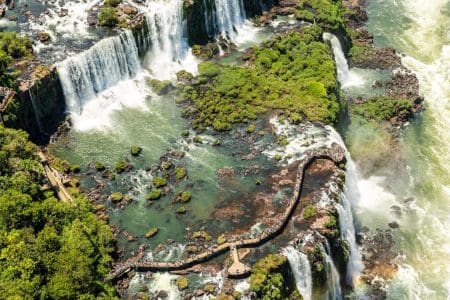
<point>336,154</point>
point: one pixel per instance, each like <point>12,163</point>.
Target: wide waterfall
<point>85,75</point>
<point>334,291</point>
<point>346,77</point>
<point>302,271</point>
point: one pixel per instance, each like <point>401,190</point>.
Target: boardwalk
<point>55,180</point>
<point>336,154</point>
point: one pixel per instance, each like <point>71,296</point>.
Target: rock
<point>152,232</point>
<point>162,294</point>
<point>394,225</point>
<point>127,9</point>
<point>43,36</point>
<point>226,172</point>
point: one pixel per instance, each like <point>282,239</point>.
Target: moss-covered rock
<point>159,182</point>
<point>154,194</point>
<point>121,166</point>
<point>309,211</point>
<point>182,283</point>
<point>152,232</point>
<point>108,17</point>
<point>99,166</point>
<point>181,210</point>
<point>184,196</point>
<point>116,197</point>
<point>166,165</point>
<point>135,150</point>
<point>161,87</point>
<point>251,128</point>
<point>180,173</point>
<point>221,239</point>
<point>202,235</point>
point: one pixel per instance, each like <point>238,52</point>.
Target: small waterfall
<point>36,111</point>
<point>301,268</point>
<point>167,41</point>
<point>349,195</point>
<point>346,77</point>
<point>105,64</point>
<point>229,14</point>
<point>333,279</point>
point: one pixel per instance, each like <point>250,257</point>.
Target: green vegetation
<point>202,235</point>
<point>251,128</point>
<point>108,17</point>
<point>381,109</point>
<point>152,232</point>
<point>154,194</point>
<point>182,282</point>
<point>184,197</point>
<point>294,73</point>
<point>116,197</point>
<point>166,165</point>
<point>49,249</point>
<point>99,166</point>
<point>309,211</point>
<point>135,150</point>
<point>12,47</point>
<point>180,173</point>
<point>221,239</point>
<point>159,182</point>
<point>161,87</point>
<point>329,14</point>
<point>181,210</point>
<point>271,278</point>
<point>198,139</point>
<point>112,3</point>
<point>121,166</point>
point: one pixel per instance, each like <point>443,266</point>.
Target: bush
<point>161,87</point>
<point>381,109</point>
<point>154,194</point>
<point>184,197</point>
<point>108,17</point>
<point>121,166</point>
<point>251,128</point>
<point>152,232</point>
<point>180,173</point>
<point>309,211</point>
<point>159,182</point>
<point>181,210</point>
<point>99,166</point>
<point>135,150</point>
<point>182,283</point>
<point>112,3</point>
<point>116,197</point>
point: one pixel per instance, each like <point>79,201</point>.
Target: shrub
<point>99,166</point>
<point>180,173</point>
<point>159,182</point>
<point>161,87</point>
<point>121,166</point>
<point>181,210</point>
<point>184,197</point>
<point>108,17</point>
<point>135,150</point>
<point>116,197</point>
<point>152,232</point>
<point>251,128</point>
<point>182,283</point>
<point>309,211</point>
<point>112,3</point>
<point>154,194</point>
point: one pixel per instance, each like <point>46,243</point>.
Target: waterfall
<point>346,77</point>
<point>333,279</point>
<point>301,268</point>
<point>167,41</point>
<point>229,14</point>
<point>105,64</point>
<point>350,194</point>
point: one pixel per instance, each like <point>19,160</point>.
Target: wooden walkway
<point>336,154</point>
<point>55,180</point>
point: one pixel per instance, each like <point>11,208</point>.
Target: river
<point>419,30</point>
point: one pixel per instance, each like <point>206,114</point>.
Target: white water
<point>107,63</point>
<point>302,271</point>
<point>229,15</point>
<point>167,43</point>
<point>334,291</point>
<point>346,77</point>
